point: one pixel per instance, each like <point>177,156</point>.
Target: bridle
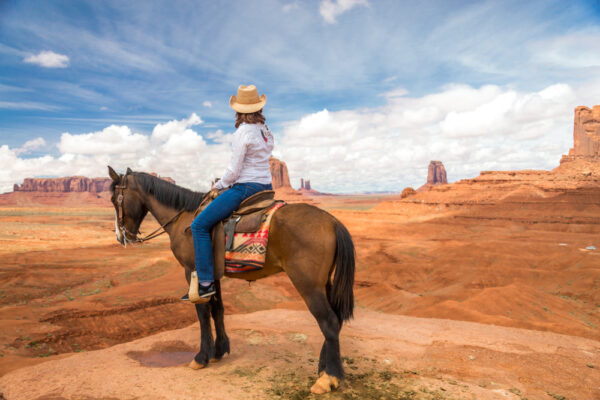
<point>133,238</point>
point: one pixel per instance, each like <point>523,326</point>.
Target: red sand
<point>505,249</point>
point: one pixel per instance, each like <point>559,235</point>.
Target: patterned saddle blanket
<point>248,250</point>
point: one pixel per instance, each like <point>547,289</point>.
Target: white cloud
<point>469,129</point>
<point>219,137</point>
<point>163,131</point>
<point>573,50</point>
<point>112,140</point>
<point>207,104</point>
<point>172,150</point>
<point>507,111</point>
<point>48,59</point>
<point>26,105</point>
<point>30,145</point>
<point>330,9</point>
<point>290,6</point>
<point>383,148</point>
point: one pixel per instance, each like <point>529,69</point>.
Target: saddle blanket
<point>250,249</point>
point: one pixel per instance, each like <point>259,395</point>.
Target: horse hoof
<point>214,360</point>
<point>195,365</point>
<point>324,384</point>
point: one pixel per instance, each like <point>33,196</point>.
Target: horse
<point>307,243</point>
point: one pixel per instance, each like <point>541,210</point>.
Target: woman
<point>248,173</point>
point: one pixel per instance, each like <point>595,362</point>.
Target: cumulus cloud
<point>207,104</point>
<point>330,9</point>
<point>112,140</point>
<point>219,137</point>
<point>31,145</point>
<point>175,127</point>
<point>173,149</point>
<point>48,59</point>
<point>383,148</point>
<point>469,129</point>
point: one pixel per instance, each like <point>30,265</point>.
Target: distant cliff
<point>68,184</point>
<point>64,185</point>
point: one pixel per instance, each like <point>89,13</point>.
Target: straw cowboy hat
<point>247,100</point>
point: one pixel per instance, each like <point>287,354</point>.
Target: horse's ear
<point>129,171</point>
<point>111,172</point>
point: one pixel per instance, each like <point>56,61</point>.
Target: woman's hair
<point>251,118</point>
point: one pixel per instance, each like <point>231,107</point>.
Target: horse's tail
<point>341,295</point>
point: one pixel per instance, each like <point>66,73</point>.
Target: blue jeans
<point>219,209</point>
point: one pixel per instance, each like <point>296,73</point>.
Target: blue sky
<point>344,81</point>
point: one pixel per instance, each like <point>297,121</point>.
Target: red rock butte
<point>436,175</point>
<point>586,135</point>
<point>279,173</point>
<point>305,184</point>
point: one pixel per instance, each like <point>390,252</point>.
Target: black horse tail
<point>341,295</point>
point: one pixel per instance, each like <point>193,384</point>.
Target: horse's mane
<point>168,193</point>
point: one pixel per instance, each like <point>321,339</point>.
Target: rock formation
<point>407,192</point>
<point>279,174</point>
<point>304,184</point>
<point>436,174</point>
<point>586,135</point>
<point>64,185</point>
<point>69,184</point>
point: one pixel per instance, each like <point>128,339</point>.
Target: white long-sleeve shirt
<point>250,151</point>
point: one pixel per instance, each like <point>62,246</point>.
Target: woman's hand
<point>214,192</point>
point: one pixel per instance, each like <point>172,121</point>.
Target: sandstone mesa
<point>586,135</point>
<point>69,184</point>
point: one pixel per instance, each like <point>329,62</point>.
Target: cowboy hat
<point>247,100</point>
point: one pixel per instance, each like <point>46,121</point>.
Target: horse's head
<point>130,209</point>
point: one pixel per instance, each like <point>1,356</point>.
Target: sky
<point>361,94</point>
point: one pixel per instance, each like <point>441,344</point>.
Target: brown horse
<point>305,242</point>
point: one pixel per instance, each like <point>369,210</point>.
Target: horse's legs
<point>330,326</point>
<point>323,358</point>
<point>207,344</point>
<point>329,360</point>
<point>217,311</point>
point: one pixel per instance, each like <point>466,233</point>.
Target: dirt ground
<point>274,356</point>
<point>526,266</point>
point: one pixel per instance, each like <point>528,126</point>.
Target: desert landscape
<point>485,288</point>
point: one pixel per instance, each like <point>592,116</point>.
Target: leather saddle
<point>246,219</point>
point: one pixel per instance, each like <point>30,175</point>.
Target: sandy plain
<point>460,293</point>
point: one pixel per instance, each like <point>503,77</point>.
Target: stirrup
<point>193,291</point>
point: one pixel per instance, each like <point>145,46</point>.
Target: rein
<point>162,227</point>
<point>120,190</point>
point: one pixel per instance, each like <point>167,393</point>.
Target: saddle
<point>246,219</point>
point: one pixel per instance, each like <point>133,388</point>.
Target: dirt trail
<point>274,355</point>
